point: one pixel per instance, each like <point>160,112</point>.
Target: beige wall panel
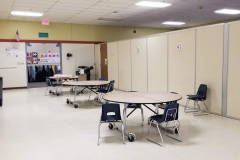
<point>157,63</point>
<point>209,63</point>
<point>182,63</point>
<point>139,64</point>
<point>68,65</point>
<point>125,72</point>
<point>233,100</point>
<point>97,61</point>
<point>112,50</point>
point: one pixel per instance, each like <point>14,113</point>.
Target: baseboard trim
<point>14,88</point>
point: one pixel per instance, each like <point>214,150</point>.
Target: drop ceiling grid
<point>89,11</point>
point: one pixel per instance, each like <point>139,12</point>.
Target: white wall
<point>68,65</point>
<point>83,55</point>
<point>16,77</point>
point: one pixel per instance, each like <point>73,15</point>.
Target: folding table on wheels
<point>65,78</point>
<point>86,84</point>
<point>144,98</point>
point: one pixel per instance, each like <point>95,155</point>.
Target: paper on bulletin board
<point>15,54</point>
<point>8,51</point>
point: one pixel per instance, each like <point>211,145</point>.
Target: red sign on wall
<point>45,22</point>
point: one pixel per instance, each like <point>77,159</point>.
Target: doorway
<point>104,61</point>
<point>43,60</point>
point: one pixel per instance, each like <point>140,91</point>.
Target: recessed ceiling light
<point>173,23</point>
<point>153,4</point>
<point>228,11</point>
<point>26,14</point>
<point>115,12</point>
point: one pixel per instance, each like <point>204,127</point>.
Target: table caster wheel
<point>68,101</point>
<point>57,94</point>
<point>110,126</point>
<point>50,92</point>
<point>76,105</point>
<point>131,137</point>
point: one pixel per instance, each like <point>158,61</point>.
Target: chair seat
<point>102,91</point>
<point>110,118</point>
<point>134,106</point>
<point>195,97</point>
<point>157,118</point>
<point>56,85</point>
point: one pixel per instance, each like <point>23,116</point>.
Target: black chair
<point>115,117</point>
<point>99,87</point>
<point>163,106</point>
<point>200,96</point>
<point>109,89</point>
<point>170,114</point>
<point>134,107</point>
<point>55,87</point>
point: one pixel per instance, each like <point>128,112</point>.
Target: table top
<point>142,97</point>
<point>86,83</point>
<point>60,76</point>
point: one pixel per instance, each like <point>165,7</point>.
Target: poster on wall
<point>8,51</point>
<point>179,46</point>
<point>34,58</point>
<point>29,60</point>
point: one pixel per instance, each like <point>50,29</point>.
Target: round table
<point>86,84</point>
<point>155,98</point>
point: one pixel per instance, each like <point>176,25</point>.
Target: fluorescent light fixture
<point>228,11</point>
<point>26,14</point>
<point>173,23</point>
<point>153,4</point>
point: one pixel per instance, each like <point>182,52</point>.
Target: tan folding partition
<point>97,62</point>
<point>182,63</point>
<point>157,63</point>
<point>233,93</point>
<point>125,67</point>
<point>139,64</point>
<point>209,63</point>
<point>112,50</point>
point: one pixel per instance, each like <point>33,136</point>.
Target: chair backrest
<point>111,107</point>
<point>170,112</point>
<point>111,86</point>
<point>103,86</point>
<point>202,91</point>
<point>48,82</point>
<point>102,79</point>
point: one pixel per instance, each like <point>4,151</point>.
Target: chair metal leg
<point>99,131</point>
<point>189,109</point>
<point>149,128</point>
<point>199,112</point>
<point>177,127</point>
<point>46,92</point>
<point>89,96</point>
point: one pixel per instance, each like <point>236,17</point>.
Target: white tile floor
<point>38,127</point>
